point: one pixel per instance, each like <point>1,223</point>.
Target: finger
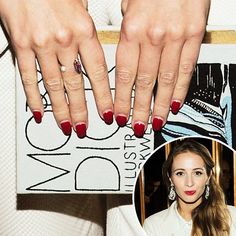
<point>187,64</point>
<point>93,59</point>
<point>126,68</point>
<point>28,71</point>
<point>144,84</point>
<point>168,72</point>
<point>74,85</point>
<point>85,4</point>
<point>54,85</point>
<point>124,4</point>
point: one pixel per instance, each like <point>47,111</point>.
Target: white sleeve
<point>105,12</point>
<point>114,12</point>
<point>222,13</point>
<point>232,210</point>
<point>150,229</point>
<point>121,217</point>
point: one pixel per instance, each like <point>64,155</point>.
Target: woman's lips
<point>190,192</point>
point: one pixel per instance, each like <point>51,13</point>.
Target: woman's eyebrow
<point>177,169</point>
<point>197,168</point>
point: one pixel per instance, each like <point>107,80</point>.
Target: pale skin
<point>160,42</point>
<point>188,174</point>
<point>54,33</point>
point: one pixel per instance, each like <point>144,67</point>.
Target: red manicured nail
<point>121,120</point>
<point>175,106</point>
<point>66,127</point>
<point>108,117</point>
<point>37,116</point>
<point>139,129</point>
<point>80,130</point>
<point>157,123</point>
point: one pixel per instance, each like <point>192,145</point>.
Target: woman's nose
<point>189,181</point>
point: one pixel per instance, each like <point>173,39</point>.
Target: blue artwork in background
<point>209,108</point>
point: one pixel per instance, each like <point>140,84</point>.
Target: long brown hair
<point>211,217</point>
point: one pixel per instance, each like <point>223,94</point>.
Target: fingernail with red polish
<point>66,127</point>
<point>37,116</point>
<point>80,130</point>
<point>175,106</point>
<point>139,129</point>
<point>108,117</point>
<point>121,120</point>
<point>157,123</point>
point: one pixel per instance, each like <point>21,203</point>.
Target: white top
<point>170,223</point>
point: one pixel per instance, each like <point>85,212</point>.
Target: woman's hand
<point>54,32</point>
<point>159,43</point>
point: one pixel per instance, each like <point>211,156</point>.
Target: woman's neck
<point>186,209</point>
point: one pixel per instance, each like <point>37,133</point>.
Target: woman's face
<point>189,177</point>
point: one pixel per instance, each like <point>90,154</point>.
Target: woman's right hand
<point>53,33</point>
<point>159,45</point>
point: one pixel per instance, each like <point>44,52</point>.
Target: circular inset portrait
<point>187,187</point>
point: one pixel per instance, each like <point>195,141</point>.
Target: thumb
<point>85,4</point>
<point>124,4</point>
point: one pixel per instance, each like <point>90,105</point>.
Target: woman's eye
<point>198,173</point>
<point>179,173</point>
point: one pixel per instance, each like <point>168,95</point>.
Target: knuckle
<point>142,105</point>
<point>20,41</point>
<point>122,105</point>
<point>124,76</point>
<point>156,34</point>
<point>130,28</point>
<point>122,102</point>
<point>72,84</point>
<point>144,81</point>
<point>86,28</point>
<point>163,106</point>
<point>167,78</point>
<point>59,110</point>
<point>78,112</point>
<point>104,99</point>
<point>41,40</point>
<point>53,84</point>
<point>176,33</point>
<point>142,109</point>
<point>196,30</point>
<point>28,80</point>
<point>182,86</point>
<point>100,74</point>
<point>186,68</point>
<point>64,37</point>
